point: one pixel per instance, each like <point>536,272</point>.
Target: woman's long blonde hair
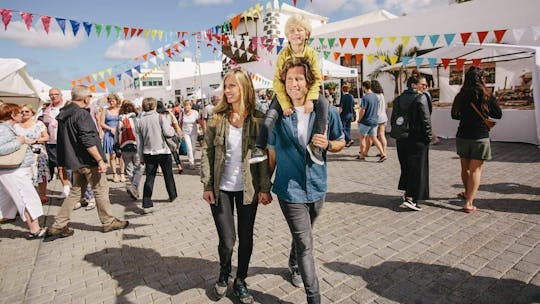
<point>247,96</point>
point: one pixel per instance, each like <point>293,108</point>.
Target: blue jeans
<point>300,217</point>
<point>346,121</point>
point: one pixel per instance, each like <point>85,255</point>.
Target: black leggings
<point>275,111</point>
<point>223,213</point>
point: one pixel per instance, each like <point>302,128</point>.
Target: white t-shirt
<point>381,110</point>
<point>303,124</point>
<point>231,178</point>
<point>189,122</point>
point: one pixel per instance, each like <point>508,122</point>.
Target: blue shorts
<point>367,130</point>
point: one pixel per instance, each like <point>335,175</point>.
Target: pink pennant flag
<point>27,18</point>
<point>6,17</point>
<point>46,21</point>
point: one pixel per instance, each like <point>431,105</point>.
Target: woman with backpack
<point>127,142</point>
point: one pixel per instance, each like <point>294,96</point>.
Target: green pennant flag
<point>98,28</point>
<point>118,29</point>
<point>108,30</point>
<point>310,40</point>
<point>331,42</point>
<point>321,41</point>
<point>326,54</point>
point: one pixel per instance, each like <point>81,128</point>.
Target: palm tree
<point>396,74</point>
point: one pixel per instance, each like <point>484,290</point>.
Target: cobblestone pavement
<point>367,249</point>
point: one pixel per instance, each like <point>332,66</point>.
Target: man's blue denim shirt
<point>298,179</point>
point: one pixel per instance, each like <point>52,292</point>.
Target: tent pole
<point>357,87</point>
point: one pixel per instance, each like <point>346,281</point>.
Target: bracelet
<point>329,147</point>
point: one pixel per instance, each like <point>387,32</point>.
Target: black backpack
<point>400,120</point>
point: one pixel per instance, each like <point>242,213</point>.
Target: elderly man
<point>80,150</point>
<point>300,185</point>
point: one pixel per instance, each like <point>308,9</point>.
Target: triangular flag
<point>393,59</point>
<point>27,18</point>
<point>336,55</point>
<point>87,28</point>
<point>94,75</point>
<point>342,42</point>
<point>420,39</point>
<point>138,69</point>
<point>126,31</point>
<point>73,83</point>
<point>405,40</point>
<point>348,58</point>
<point>62,24</point>
<point>98,29</point>
<point>145,57</point>
<point>536,31</point>
<point>446,62</point>
<point>449,38</point>
<point>418,61</point>
<point>160,35</point>
<point>79,81</point>
<point>101,74</point>
<point>146,33</point>
<point>382,58</point>
<point>278,48</point>
<point>434,39</point>
<point>6,17</point>
<point>370,58</point>
<point>432,61</point>
<point>109,71</point>
<point>460,62</point>
<point>310,40</point>
<point>518,33</point>
<point>153,34</point>
<point>465,37</point>
<point>132,32</point>
<point>358,58</point>
<point>253,43</point>
<point>354,41</point>
<point>153,52</point>
<point>366,41</point>
<point>108,30</point>
<point>378,41</point>
<point>499,34</point>
<point>331,42</point>
<point>118,29</point>
<point>281,39</point>
<point>405,60</point>
<point>392,39</point>
<point>87,78</point>
<point>235,21</point>
<point>75,26</point>
<point>102,85</point>
<point>321,41</point>
<point>481,36</point>
<point>476,61</point>
<point>129,73</point>
<point>112,81</point>
<point>139,32</point>
<point>92,88</point>
<point>46,21</point>
<point>326,54</point>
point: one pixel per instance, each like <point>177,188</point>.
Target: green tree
<point>396,74</point>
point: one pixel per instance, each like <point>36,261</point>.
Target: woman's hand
<point>208,196</point>
<point>21,139</point>
<point>264,198</point>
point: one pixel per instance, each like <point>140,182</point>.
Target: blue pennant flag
<point>449,38</point>
<point>87,27</point>
<point>432,61</point>
<point>405,60</point>
<point>418,61</point>
<point>420,39</point>
<point>129,73</point>
<point>62,24</point>
<point>434,39</point>
<point>75,26</point>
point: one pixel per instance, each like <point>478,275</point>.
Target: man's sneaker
<point>412,205</point>
<point>241,291</point>
<point>316,154</point>
<point>133,192</point>
<point>54,233</point>
<point>296,278</point>
<point>91,204</point>
<point>220,288</point>
<point>147,210</point>
<point>115,225</point>
<point>403,200</point>
<point>258,155</point>
<point>350,143</point>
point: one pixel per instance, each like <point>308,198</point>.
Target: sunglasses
<point>26,111</point>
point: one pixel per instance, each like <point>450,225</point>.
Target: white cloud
<point>127,49</point>
<point>184,3</point>
<point>37,37</point>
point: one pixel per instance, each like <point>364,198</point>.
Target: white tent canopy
<point>334,70</point>
<point>15,84</point>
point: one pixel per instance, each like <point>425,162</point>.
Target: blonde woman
<point>36,134</point>
<point>190,121</point>
<point>108,122</point>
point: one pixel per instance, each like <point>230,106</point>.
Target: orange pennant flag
<point>460,62</point>
<point>465,37</point>
<point>126,31</point>
<point>354,41</point>
<point>446,62</point>
<point>139,32</point>
<point>235,21</point>
<point>112,81</point>
<point>348,58</point>
<point>499,35</point>
<point>476,61</point>
<point>366,41</point>
<point>87,78</point>
<point>481,36</point>
<point>145,57</point>
<point>133,31</point>
<point>92,88</point>
<point>79,81</point>
<point>358,58</point>
<point>102,85</point>
<point>342,41</point>
<point>336,55</point>
<point>73,83</point>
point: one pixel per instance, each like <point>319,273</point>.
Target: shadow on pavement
<point>510,205</point>
<point>411,282</point>
<point>510,188</point>
<point>391,202</point>
<point>133,266</point>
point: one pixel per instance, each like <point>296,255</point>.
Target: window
<point>152,82</point>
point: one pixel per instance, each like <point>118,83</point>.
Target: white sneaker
<point>78,205</point>
<point>412,205</point>
<point>91,204</point>
<point>148,210</point>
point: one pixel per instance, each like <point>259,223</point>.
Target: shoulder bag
<point>489,122</point>
<point>14,159</point>
<point>173,142</point>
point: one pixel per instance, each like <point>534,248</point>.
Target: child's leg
<point>321,115</point>
<point>270,118</point>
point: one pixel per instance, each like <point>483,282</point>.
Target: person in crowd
<point>17,193</point>
<point>266,99</point>
<point>155,152</point>
<point>170,119</point>
<point>472,138</point>
<point>190,120</point>
<point>127,140</point>
<point>177,110</point>
<point>297,32</point>
<point>382,118</point>
<point>299,185</point>
<point>208,112</point>
<point>367,123</point>
<point>36,134</point>
<point>49,119</point>
<point>79,149</point>
<point>229,180</point>
<point>109,121</point>
<point>413,150</point>
<point>346,113</point>
<point>423,88</point>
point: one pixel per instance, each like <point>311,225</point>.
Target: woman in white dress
<point>190,120</point>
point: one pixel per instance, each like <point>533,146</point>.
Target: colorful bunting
<point>432,62</point>
<point>108,30</point>
<point>358,58</point>
<point>460,62</point>
<point>348,58</point>
<point>354,41</point>
<point>481,36</point>
<point>405,60</point>
<point>499,34</point>
<point>434,39</point>
<point>62,24</point>
<point>405,40</point>
<point>331,42</point>
<point>378,41</point>
<point>449,38</point>
<point>102,85</point>
<point>366,41</point>
<point>342,41</point>
<point>418,61</point>
<point>27,18</point>
<point>465,37</point>
<point>476,61</point>
<point>336,55</point>
<point>74,26</point>
<point>446,62</point>
<point>370,58</point>
<point>6,17</point>
<point>46,21</point>
<point>98,29</point>
<point>393,59</point>
<point>420,39</point>
<point>87,28</point>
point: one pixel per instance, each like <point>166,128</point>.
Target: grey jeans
<point>132,160</point>
<point>300,217</point>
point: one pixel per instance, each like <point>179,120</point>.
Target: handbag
<point>489,122</point>
<point>183,148</point>
<point>172,142</point>
<point>14,159</point>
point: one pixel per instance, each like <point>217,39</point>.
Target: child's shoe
<point>316,154</point>
<point>258,155</point>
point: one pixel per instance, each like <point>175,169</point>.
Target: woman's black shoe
<point>241,291</point>
<point>220,288</point>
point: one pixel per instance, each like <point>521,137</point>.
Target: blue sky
<point>57,59</point>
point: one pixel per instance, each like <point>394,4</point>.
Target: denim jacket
<point>10,144</point>
<point>298,179</point>
<point>256,176</point>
